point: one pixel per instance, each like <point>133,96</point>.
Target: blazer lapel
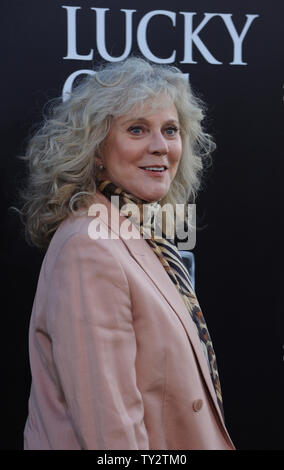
<point>153,268</point>
<point>148,261</point>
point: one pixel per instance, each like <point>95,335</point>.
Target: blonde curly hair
<point>61,154</point>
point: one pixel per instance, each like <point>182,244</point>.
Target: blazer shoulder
<point>77,231</point>
<point>70,227</point>
<point>79,224</point>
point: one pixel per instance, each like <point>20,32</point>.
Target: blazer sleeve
<point>94,345</point>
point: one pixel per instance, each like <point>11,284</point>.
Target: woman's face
<point>142,151</point>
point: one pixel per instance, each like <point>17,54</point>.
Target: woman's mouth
<point>154,170</point>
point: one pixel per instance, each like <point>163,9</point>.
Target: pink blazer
<point>115,358</point>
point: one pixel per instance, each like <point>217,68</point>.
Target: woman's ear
<point>99,159</point>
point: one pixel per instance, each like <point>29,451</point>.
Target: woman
<point>119,350</point>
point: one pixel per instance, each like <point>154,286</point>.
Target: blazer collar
<point>143,254</point>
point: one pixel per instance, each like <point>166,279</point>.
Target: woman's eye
<point>136,130</point>
<point>171,131</point>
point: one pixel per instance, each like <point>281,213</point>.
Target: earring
<point>101,167</point>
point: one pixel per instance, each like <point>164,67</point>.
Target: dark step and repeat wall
<point>232,53</point>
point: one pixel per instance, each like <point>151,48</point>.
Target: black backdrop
<point>239,256</point>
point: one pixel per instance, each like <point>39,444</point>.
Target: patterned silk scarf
<point>171,260</point>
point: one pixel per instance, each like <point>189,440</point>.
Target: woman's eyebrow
<point>136,119</point>
<point>144,120</point>
<point>172,121</point>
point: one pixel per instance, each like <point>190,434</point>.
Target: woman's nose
<point>158,144</point>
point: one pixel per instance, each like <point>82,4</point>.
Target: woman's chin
<point>152,196</point>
